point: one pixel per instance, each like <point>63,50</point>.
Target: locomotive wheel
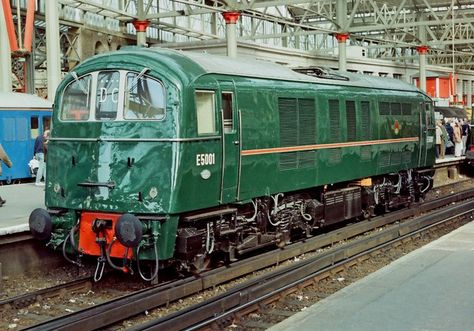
<point>201,263</point>
<point>366,214</point>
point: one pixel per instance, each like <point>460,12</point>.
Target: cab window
<point>429,115</point>
<point>227,110</point>
<point>205,112</point>
<point>107,94</point>
<point>76,100</point>
<point>144,98</point>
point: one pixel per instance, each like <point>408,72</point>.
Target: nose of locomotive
<point>40,224</point>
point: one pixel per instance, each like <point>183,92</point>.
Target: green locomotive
<point>162,156</point>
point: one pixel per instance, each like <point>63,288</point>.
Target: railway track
<point>130,305</point>
<point>255,295</point>
<point>24,300</point>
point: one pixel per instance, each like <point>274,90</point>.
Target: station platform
<point>431,288</point>
<point>449,159</point>
<point>21,200</point>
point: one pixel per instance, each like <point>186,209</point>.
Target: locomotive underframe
<point>232,231</point>
<point>229,232</point>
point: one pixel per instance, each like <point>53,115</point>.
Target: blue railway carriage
<point>22,118</point>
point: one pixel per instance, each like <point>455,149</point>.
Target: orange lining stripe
<point>326,146</point>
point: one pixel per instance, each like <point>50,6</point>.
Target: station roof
<point>389,29</point>
<point>431,74</point>
<point>454,112</point>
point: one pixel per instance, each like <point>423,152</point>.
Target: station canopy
<point>451,112</point>
<point>388,29</point>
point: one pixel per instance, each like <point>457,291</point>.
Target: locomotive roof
<point>263,69</point>
<point>249,67</point>
<point>13,100</point>
<point>191,65</point>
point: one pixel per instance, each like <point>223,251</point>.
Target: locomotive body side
<point>222,153</point>
<point>297,147</point>
<point>390,142</point>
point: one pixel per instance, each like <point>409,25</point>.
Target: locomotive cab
<point>110,125</point>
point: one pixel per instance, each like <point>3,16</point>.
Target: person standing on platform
<point>444,139</point>
<point>39,155</point>
<point>4,157</point>
<point>439,139</point>
<point>465,132</point>
<point>457,139</point>
<point>468,140</point>
<point>450,145</point>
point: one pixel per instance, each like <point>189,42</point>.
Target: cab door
<point>230,131</point>
<point>427,133</point>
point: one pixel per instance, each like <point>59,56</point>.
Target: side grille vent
<point>306,159</point>
<point>288,131</point>
<point>365,130</point>
<point>406,157</point>
<point>334,121</point>
<point>351,120</point>
<point>297,128</point>
<point>307,122</point>
<point>406,108</point>
<point>384,108</point>
<point>366,153</point>
<point>396,108</point>
<point>384,159</point>
<point>288,122</point>
<point>288,160</point>
<point>396,158</point>
<point>335,156</point>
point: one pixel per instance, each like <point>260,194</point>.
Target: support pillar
<point>460,91</point>
<point>141,27</point>
<point>231,19</point>
<point>53,52</point>
<point>5,56</point>
<point>341,39</point>
<point>213,23</point>
<point>469,94</point>
<point>422,50</point>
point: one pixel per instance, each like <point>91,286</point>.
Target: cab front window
<point>144,98</point>
<point>113,95</point>
<point>107,94</point>
<point>77,100</point>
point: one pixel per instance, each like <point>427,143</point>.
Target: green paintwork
<point>170,166</point>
